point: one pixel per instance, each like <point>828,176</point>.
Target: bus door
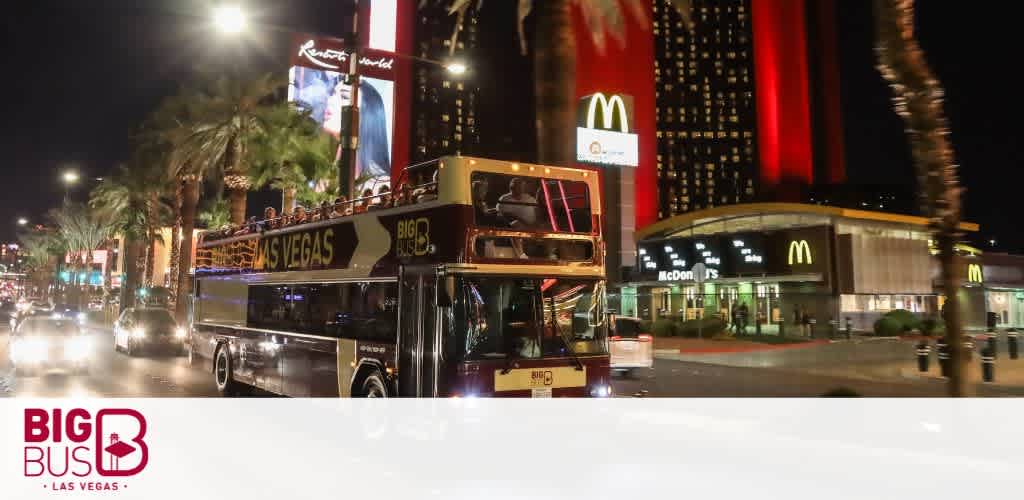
<point>418,342</point>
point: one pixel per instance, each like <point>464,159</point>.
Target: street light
<point>456,68</point>
<point>69,178</point>
<point>22,221</point>
<point>229,19</point>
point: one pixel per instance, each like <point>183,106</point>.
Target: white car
<point>42,343</point>
<point>631,349</point>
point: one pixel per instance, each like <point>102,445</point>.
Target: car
<point>631,348</point>
<point>69,311</point>
<point>148,330</point>
<point>42,343</point>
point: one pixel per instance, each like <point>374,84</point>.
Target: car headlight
<point>78,348</point>
<point>29,350</point>
<point>139,333</point>
<point>601,391</point>
<point>81,317</point>
<point>23,306</point>
<point>179,333</point>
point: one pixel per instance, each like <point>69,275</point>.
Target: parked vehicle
<point>631,348</point>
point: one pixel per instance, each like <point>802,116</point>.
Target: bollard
<point>923,349</point>
<point>849,328</point>
<point>988,365</point>
<point>1011,342</point>
<point>968,349</point>
<point>942,348</point>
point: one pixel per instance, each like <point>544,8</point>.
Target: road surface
<point>117,375</point>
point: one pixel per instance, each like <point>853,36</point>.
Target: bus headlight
<point>600,391</point>
<point>29,350</point>
<point>138,333</point>
<point>81,318</point>
<point>179,333</point>
<point>78,348</point>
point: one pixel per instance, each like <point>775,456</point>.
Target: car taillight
<point>644,338</point>
<point>615,337</point>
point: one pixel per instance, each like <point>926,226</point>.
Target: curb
<point>745,349</point>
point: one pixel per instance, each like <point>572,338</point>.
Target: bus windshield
<point>499,318</point>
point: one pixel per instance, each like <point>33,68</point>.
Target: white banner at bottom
<point>494,449</point>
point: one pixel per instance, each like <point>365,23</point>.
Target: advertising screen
<point>323,93</point>
<point>318,85</point>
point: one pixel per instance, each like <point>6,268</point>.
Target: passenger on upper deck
<point>364,201</point>
<point>341,207</point>
<point>429,192</point>
<point>403,195</point>
<point>269,219</point>
<point>383,198</point>
<point>484,213</point>
<point>516,206</point>
<point>300,216</point>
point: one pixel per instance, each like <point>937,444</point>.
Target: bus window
<point>364,311</point>
<point>530,203</point>
<point>527,318</point>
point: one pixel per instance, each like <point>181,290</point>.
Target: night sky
<point>81,75</point>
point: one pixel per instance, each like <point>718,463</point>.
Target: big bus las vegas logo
<point>74,450</point>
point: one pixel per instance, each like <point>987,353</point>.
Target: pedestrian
<point>734,317</point>
<point>744,314</point>
<point>806,326</point>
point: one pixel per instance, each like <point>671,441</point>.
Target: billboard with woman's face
<point>317,84</point>
<point>323,93</point>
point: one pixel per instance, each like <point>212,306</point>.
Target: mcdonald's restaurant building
<point>792,265</point>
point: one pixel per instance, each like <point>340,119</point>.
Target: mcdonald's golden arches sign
<point>604,132</point>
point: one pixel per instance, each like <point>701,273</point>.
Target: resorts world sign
<point>603,136</point>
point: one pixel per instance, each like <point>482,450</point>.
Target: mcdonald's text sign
<point>603,134</point>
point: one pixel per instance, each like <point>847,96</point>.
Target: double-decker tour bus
<point>473,277</point>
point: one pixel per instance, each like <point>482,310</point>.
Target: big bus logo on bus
<point>70,448</point>
<point>413,238</point>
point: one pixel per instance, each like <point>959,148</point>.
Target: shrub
<point>841,392</point>
<point>887,326</point>
<point>706,327</point>
<point>908,321</point>
<point>663,327</point>
<point>932,326</point>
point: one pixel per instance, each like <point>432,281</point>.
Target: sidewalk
<point>679,345</point>
<point>1008,372</point>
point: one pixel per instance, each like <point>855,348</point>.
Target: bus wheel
<point>222,373</point>
<point>373,387</point>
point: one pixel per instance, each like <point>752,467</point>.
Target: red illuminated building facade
<point>738,103</point>
<point>748,102</point>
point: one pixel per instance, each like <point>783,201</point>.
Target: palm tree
<point>131,200</point>
<point>225,120</point>
<point>917,99</point>
<point>554,58</point>
<point>294,152</point>
<point>170,127</point>
<point>83,231</point>
<point>41,249</point>
<point>216,215</point>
